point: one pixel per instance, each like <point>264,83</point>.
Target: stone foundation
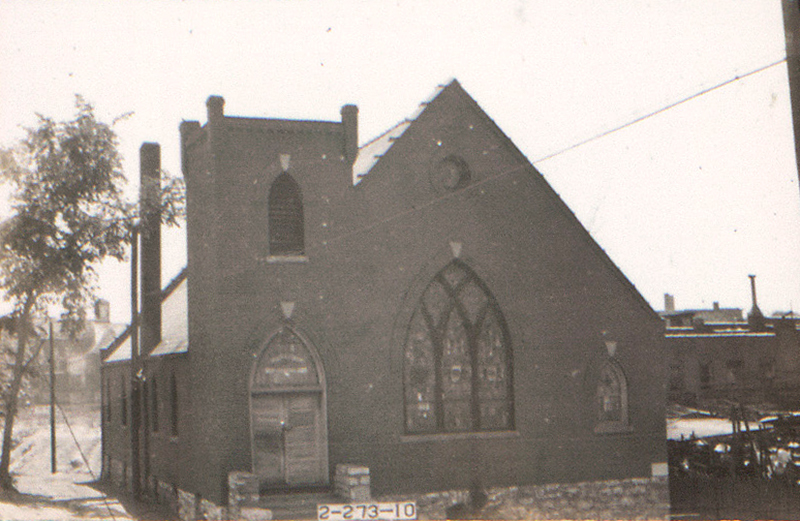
<point>638,498</point>
<point>352,483</point>
<point>187,506</point>
<point>212,512</point>
<point>242,492</point>
<point>166,494</point>
<point>119,474</point>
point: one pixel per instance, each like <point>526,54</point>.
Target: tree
<point>69,213</point>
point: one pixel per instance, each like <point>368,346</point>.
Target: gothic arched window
<point>612,399</point>
<point>286,362</point>
<point>458,364</point>
<point>286,225</point>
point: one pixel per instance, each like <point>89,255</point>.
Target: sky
<point>692,194</point>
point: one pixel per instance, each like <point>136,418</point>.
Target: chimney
<point>150,230</point>
<point>716,306</point>
<point>187,129</point>
<point>755,318</point>
<point>216,108</point>
<point>669,303</point>
<point>350,130</point>
<point>102,311</point>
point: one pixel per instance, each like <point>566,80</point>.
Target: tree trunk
<point>11,400</point>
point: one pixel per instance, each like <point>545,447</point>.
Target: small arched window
<point>174,405</point>
<point>154,413</point>
<point>286,224</point>
<point>612,399</point>
<point>123,402</point>
<point>107,400</point>
<point>458,367</point>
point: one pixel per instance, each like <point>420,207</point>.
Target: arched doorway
<point>287,413</point>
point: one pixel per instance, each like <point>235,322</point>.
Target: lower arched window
<point>612,399</point>
<point>457,367</point>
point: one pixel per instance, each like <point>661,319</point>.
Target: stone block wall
<point>187,506</point>
<point>166,494</point>
<point>351,483</point>
<point>638,498</point>
<point>211,511</point>
<point>242,492</point>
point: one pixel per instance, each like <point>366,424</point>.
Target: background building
<point>718,355</point>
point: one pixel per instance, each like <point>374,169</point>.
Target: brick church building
<point>424,305</point>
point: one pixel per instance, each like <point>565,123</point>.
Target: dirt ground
<point>64,495</point>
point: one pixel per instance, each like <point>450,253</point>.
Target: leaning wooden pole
<point>53,468</point>
<point>134,376</point>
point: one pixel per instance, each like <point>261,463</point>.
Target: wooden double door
<point>288,436</point>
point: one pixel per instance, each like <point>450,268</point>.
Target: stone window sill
<point>449,436</point>
<point>286,259</point>
<point>613,428</point>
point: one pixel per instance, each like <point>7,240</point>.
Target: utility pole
<point>134,377</point>
<point>52,402</point>
<point>791,28</point>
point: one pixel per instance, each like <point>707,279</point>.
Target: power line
<point>557,153</point>
<point>659,111</point>
<point>85,459</point>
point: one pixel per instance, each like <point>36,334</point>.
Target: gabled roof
<point>174,322</point>
<point>371,153</point>
<point>174,325</point>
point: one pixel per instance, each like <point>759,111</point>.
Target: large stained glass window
<point>457,369</point>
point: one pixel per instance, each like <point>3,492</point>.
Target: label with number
<point>363,511</point>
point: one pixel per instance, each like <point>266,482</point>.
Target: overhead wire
<point>600,135</point>
<point>85,459</point>
<point>397,215</point>
<point>661,110</point>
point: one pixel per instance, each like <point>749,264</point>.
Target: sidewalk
<point>66,494</point>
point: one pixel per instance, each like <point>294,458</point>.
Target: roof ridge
<point>174,283</point>
<point>366,162</point>
<point>165,293</point>
<point>382,134</point>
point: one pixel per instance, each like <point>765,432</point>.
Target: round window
<point>451,173</point>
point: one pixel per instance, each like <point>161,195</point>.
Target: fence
<point>732,497</point>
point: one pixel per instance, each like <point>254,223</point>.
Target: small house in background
<point>424,306</point>
<point>77,357</point>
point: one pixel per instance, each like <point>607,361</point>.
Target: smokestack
<point>669,303</point>
<point>753,291</point>
<point>350,128</point>
<point>755,318</point>
<point>150,208</point>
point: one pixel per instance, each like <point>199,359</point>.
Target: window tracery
<point>612,399</point>
<point>457,370</point>
<point>285,362</point>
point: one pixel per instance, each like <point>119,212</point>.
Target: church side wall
<point>116,432</point>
